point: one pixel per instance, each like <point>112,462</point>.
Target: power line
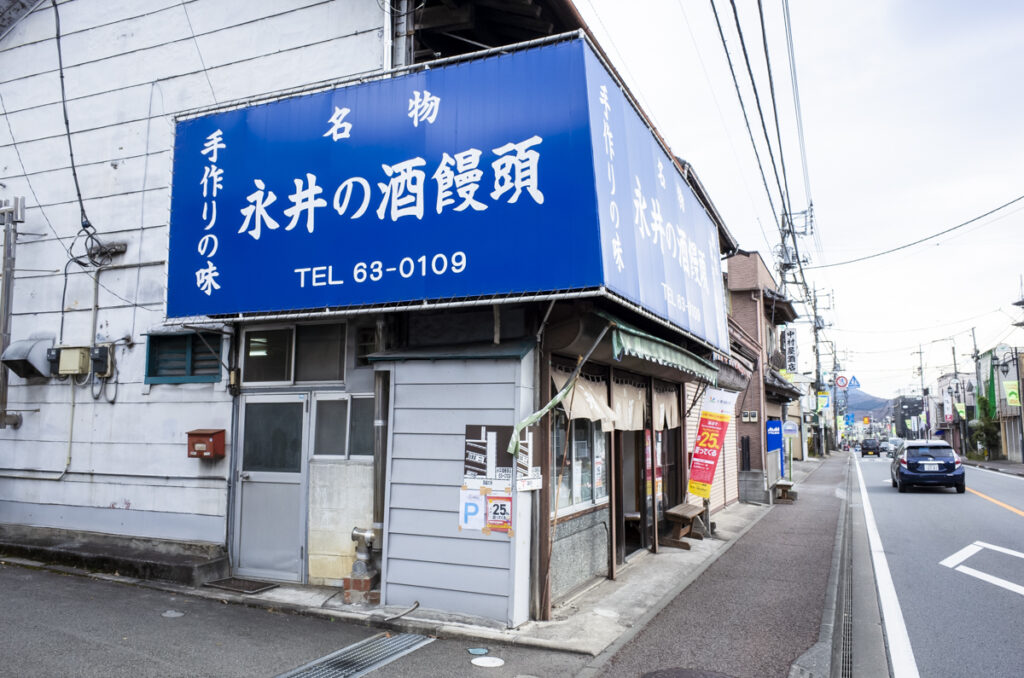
<point>721,118</point>
<point>925,239</point>
<point>746,119</point>
<point>760,111</point>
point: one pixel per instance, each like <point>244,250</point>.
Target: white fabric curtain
<point>630,405</point>
<point>587,400</point>
<point>666,407</point>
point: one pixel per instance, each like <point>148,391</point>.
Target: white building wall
<point>129,68</point>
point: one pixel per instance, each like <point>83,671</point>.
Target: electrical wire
<point>721,118</point>
<point>746,119</point>
<point>921,240</point>
<point>199,52</point>
<point>760,112</point>
<point>95,250</point>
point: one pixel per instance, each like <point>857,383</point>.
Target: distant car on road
<point>885,447</point>
<point>856,448</point>
<point>927,462</point>
<point>869,446</point>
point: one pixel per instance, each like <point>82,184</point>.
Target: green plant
<point>986,431</point>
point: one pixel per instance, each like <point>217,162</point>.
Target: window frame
<point>334,396</point>
<point>293,354</point>
<point>582,505</point>
<point>191,338</point>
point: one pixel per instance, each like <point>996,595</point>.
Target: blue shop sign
<point>522,173</point>
<point>773,441</point>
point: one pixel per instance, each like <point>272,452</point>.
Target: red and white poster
<point>715,416</point>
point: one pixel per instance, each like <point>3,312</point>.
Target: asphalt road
<point>56,624</point>
<point>963,620</point>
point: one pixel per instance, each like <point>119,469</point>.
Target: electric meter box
<point>206,443</point>
<point>73,360</point>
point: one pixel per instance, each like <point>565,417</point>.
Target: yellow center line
<point>997,502</point>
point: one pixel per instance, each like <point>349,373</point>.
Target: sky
<point>912,123</point>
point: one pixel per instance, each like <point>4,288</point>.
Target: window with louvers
<point>183,358</point>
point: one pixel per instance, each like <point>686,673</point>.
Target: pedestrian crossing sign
<point>854,383</point>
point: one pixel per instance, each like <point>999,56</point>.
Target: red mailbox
<point>206,443</point>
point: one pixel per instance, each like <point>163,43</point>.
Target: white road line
<point>1002,583</point>
<point>900,653</point>
<point>1001,549</point>
<point>961,555</point>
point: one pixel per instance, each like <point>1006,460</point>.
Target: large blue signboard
<point>521,173</point>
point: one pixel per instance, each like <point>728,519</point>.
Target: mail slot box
<point>206,443</point>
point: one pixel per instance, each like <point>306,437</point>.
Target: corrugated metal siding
<point>731,461</point>
<point>428,558</point>
<point>725,488</point>
<point>692,422</point>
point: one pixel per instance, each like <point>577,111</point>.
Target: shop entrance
<point>650,479</point>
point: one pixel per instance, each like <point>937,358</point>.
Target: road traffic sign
<point>842,382</point>
<point>854,383</point>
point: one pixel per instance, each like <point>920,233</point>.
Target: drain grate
<point>241,585</point>
<point>362,657</point>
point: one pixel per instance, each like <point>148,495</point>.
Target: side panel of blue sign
<point>659,246</point>
<point>466,180</point>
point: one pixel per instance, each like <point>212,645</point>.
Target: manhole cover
<point>241,585</point>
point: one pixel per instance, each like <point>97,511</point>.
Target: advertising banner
<point>961,409</point>
<point>947,406</point>
<point>465,180</point>
<point>1012,393</point>
<point>715,415</point>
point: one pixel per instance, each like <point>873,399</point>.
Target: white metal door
<point>270,497</point>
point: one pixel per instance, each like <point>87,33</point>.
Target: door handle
<point>243,476</point>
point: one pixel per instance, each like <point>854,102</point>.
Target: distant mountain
<point>863,404</point>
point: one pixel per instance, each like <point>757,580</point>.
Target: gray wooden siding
<point>428,558</point>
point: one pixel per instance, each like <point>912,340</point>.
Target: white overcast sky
<point>913,117</point>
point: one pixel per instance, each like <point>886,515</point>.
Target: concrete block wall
<point>340,498</point>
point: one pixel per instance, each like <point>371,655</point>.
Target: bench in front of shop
<point>682,516</point>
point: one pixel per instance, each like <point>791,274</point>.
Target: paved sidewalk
<point>759,607</point>
<point>589,623</point>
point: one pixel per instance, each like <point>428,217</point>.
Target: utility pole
<point>959,385</point>
<point>977,376</point>
<point>835,400</point>
<point>817,373</point>
<point>924,402</point>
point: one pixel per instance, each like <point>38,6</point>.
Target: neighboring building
<point>1000,375</point>
<point>908,414</point>
<point>759,309</point>
<point>953,391</point>
<point>303,249</point>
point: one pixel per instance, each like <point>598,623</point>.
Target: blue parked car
<point>927,462</point>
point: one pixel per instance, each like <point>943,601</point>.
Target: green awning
<point>632,341</point>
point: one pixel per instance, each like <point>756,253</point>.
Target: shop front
<point>430,397</point>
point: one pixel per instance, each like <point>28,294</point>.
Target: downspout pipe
<point>381,392</point>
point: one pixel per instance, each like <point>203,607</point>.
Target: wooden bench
<point>682,516</point>
<point>784,486</point>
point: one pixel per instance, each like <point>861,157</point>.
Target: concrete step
<point>188,563</point>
